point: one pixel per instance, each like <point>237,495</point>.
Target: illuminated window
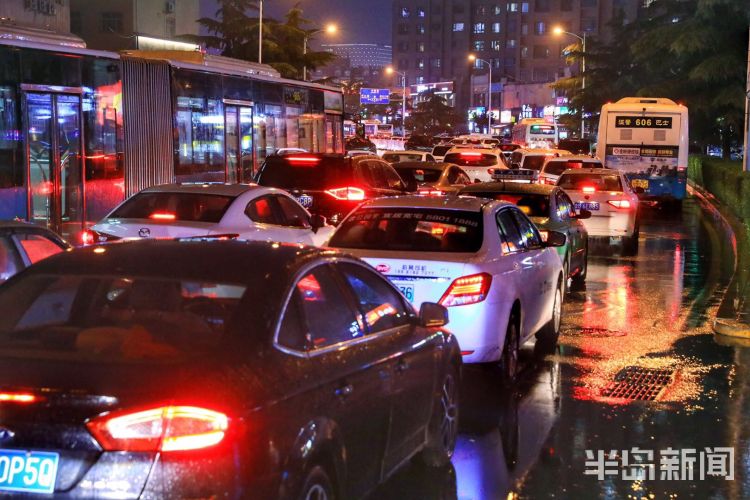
<point>478,28</point>
<point>458,26</point>
<point>496,27</point>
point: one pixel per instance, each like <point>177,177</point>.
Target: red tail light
<point>17,397</point>
<point>162,216</point>
<point>470,155</point>
<point>624,204</point>
<point>467,290</point>
<point>88,237</point>
<point>347,193</point>
<point>588,189</point>
<point>168,428</point>
<point>430,192</point>
<point>304,160</point>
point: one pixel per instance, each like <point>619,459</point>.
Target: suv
<point>331,185</point>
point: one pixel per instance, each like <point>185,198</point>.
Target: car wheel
<point>442,430</point>
<point>509,359</point>
<point>630,245</point>
<point>546,338</point>
<point>566,272</point>
<point>317,485</point>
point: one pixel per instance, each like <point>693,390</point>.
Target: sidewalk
<point>733,316</point>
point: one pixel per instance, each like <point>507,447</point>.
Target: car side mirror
<point>316,222</point>
<point>432,315</point>
<point>556,239</point>
<point>583,214</point>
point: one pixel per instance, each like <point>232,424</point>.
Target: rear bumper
<point>477,329</point>
<point>620,225</point>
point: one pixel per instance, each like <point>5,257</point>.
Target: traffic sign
<point>374,96</point>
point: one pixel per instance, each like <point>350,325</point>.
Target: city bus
<point>647,138</point>
<point>535,133</point>
<point>82,129</point>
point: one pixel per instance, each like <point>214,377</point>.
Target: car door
<point>10,259</point>
<point>295,219</point>
<point>576,233</point>
<point>278,218</point>
<point>355,373</point>
<point>387,314</point>
<point>33,246</point>
<point>373,177</point>
<point>539,275</point>
<point>393,183</point>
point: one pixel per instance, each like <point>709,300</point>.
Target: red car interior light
<point>467,290</point>
<point>168,428</point>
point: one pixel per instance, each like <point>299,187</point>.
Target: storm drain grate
<point>639,384</point>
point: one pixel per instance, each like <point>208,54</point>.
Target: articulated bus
<point>647,138</point>
<point>535,133</point>
<point>81,129</point>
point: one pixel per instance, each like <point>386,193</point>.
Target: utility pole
<point>745,165</point>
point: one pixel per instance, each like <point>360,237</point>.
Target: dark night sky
<point>363,21</point>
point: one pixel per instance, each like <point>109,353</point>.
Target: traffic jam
<point>307,334</point>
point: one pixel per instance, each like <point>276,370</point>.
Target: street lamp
<point>260,31</point>
<point>330,29</point>
<point>557,30</point>
<point>390,71</point>
<point>474,58</point>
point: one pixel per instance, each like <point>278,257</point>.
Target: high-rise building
<point>432,40</point>
<point>361,55</point>
<point>134,24</point>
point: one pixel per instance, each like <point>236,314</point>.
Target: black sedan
<point>194,369</point>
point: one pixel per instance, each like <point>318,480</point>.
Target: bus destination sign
<point>643,122</point>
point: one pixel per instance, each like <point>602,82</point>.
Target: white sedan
<point>244,211</point>
<point>613,204</point>
<point>483,260</point>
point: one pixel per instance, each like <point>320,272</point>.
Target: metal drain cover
<point>639,384</point>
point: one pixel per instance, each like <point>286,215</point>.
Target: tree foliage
<point>234,33</point>
<point>692,51</point>
<point>433,116</point>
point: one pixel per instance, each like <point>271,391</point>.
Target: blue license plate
<point>587,205</point>
<point>305,200</point>
<point>28,471</point>
<point>408,292</point>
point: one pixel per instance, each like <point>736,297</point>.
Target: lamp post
<point>330,29</point>
<point>260,31</point>
<point>389,70</point>
<point>473,58</point>
<point>559,31</point>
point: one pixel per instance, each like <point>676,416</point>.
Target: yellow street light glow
<point>557,30</point>
<point>389,70</point>
<point>331,29</point>
<point>472,57</point>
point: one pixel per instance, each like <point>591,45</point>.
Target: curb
<point>724,325</point>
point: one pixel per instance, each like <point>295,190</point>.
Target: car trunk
<point>148,228</point>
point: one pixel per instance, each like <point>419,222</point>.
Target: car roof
<point>541,151</point>
<point>592,171</point>
<point>468,203</point>
<point>429,165</point>
<point>406,151</point>
<point>222,189</point>
<point>17,224</point>
<point>185,258</point>
<point>509,187</point>
<point>581,158</point>
<point>462,149</point>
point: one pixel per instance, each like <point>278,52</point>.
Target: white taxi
<point>613,204</point>
<point>482,259</point>
<point>244,211</point>
<point>554,166</point>
<point>478,162</point>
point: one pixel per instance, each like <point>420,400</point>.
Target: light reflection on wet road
<point>652,311</point>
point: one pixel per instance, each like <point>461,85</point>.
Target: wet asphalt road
<point>652,311</point>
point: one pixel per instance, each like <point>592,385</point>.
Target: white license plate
<point>28,471</point>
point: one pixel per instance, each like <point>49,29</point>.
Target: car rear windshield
<point>121,319</point>
<point>192,207</point>
<point>557,167</point>
<point>290,173</point>
<point>533,205</point>
<point>419,175</point>
<point>471,159</point>
<point>600,182</point>
<point>534,162</point>
<point>416,230</point>
<point>398,157</point>
<point>440,150</point>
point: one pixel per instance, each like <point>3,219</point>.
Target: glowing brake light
<point>162,216</point>
<point>430,192</point>
<point>88,237</point>
<point>470,155</point>
<point>17,397</point>
<point>625,204</point>
<point>467,290</point>
<point>168,428</point>
<point>347,193</point>
<point>589,189</point>
<point>303,160</point>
